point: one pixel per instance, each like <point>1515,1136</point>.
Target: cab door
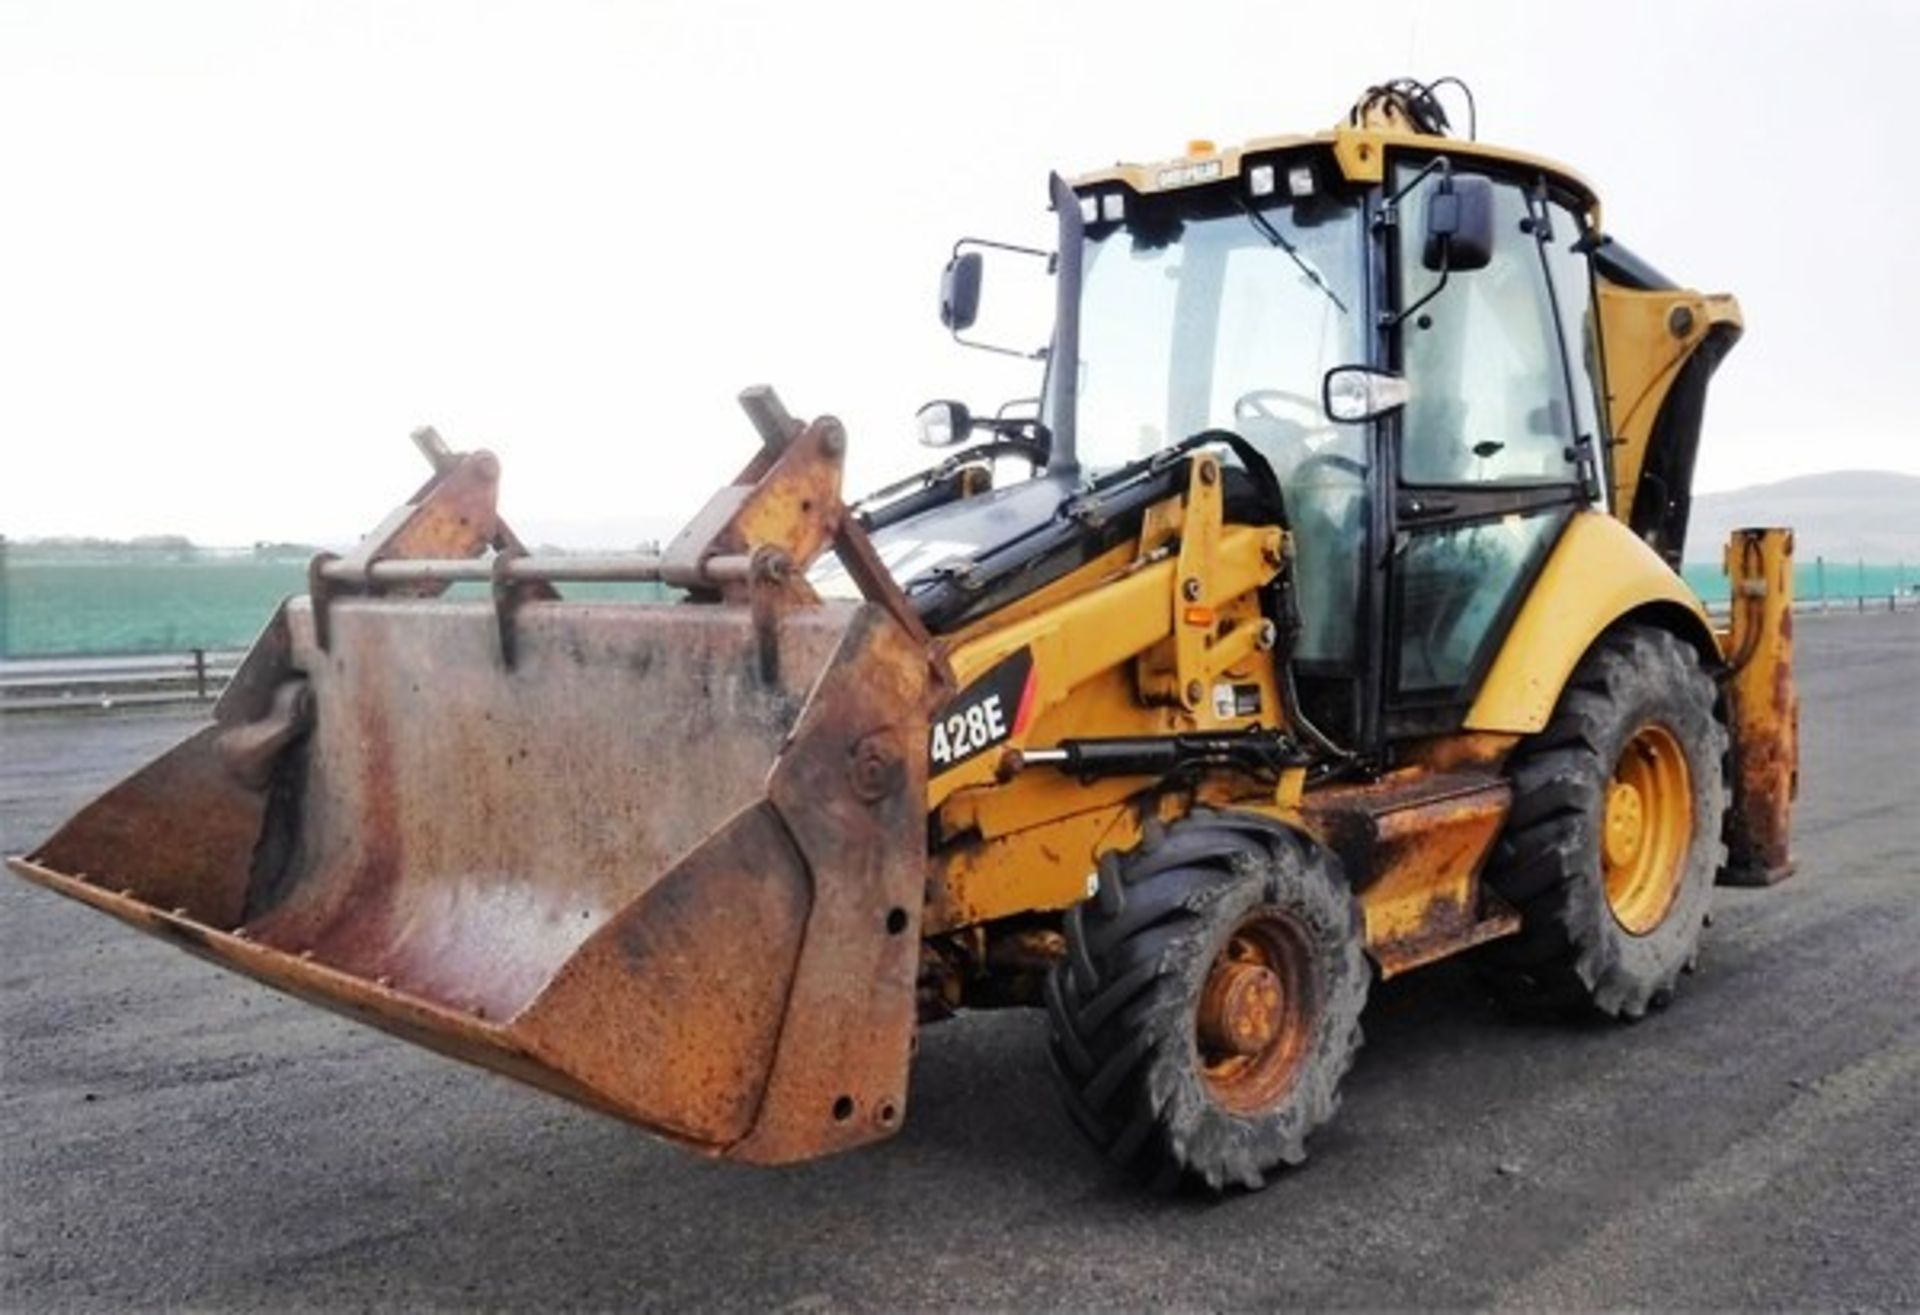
<point>1491,455</point>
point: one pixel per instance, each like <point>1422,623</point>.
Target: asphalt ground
<point>172,1135</point>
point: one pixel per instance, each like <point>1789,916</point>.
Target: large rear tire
<point>1614,839</point>
<point>1210,1001</point>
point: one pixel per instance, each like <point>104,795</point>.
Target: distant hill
<point>606,534</point>
<point>1842,515</point>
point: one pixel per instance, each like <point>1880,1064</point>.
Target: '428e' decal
<point>990,711</point>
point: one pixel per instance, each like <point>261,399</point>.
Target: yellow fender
<point>1599,572</point>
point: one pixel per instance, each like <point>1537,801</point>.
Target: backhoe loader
<point>1322,621</point>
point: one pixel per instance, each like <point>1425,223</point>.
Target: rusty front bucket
<point>665,859</point>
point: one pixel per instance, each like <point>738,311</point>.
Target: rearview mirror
<point>1459,224</point>
<point>960,292</point>
<point>1351,394</point>
<point>1007,319</point>
<point>942,424</point>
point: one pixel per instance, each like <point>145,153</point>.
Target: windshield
<point>1207,311</point>
<point>1203,312</point>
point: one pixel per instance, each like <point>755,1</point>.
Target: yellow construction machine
<point>1320,622</point>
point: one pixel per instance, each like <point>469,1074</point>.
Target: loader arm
<point>1137,643</point>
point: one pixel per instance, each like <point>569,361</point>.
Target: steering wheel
<point>1286,437</point>
<point>1258,404</point>
<point>1332,460</point>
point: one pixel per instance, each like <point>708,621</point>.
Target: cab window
<point>1572,278</point>
<point>1488,396</point>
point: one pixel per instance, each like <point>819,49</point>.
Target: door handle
<point>1425,508</point>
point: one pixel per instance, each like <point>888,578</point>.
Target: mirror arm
<point>1038,354</point>
<point>991,245</point>
<point>1028,439</point>
<point>1052,259</point>
<point>1440,162</point>
<point>1390,320</point>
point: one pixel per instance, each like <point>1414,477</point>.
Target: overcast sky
<point>244,248</point>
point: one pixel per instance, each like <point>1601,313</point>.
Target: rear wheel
<point>1614,839</point>
<point>1210,1001</point>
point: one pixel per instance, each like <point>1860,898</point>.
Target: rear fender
<point>1599,574</point>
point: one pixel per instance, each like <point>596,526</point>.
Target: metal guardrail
<point>1720,608</point>
<point>73,683</point>
<point>1895,602</point>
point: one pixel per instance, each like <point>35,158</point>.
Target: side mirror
<point>960,292</point>
<point>942,424</point>
<point>1459,225</point>
<point>1351,394</point>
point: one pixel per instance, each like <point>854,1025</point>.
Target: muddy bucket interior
<point>654,861</point>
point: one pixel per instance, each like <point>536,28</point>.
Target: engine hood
<point>915,550</point>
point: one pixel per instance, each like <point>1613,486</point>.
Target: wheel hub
<point>1646,831</point>
<point>1626,823</point>
<point>1241,1008</point>
<point>1256,1012</point>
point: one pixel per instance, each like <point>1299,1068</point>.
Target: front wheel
<point>1210,1001</point>
<point>1615,835</point>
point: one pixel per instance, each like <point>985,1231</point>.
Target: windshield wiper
<point>1274,235</point>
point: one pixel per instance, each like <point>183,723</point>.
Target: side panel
<point>1598,572</point>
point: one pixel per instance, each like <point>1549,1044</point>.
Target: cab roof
<point>1360,152</point>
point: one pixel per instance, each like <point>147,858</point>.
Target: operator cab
<point>1216,308</point>
<point>1399,324</point>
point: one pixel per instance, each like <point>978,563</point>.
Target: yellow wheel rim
<point>1256,1013</point>
<point>1647,830</point>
